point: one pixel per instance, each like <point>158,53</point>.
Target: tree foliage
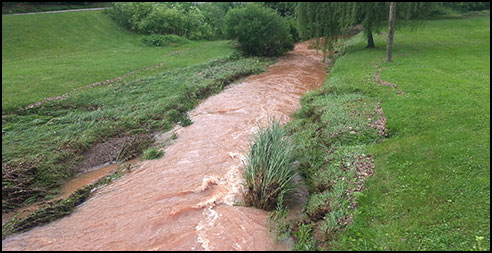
<point>330,19</point>
<point>187,19</point>
<point>323,19</point>
<point>287,11</point>
<point>284,9</point>
<point>259,30</point>
<point>467,6</point>
<point>214,16</point>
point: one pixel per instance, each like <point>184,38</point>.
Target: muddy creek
<point>187,200</point>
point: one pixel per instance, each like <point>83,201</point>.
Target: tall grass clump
<point>152,153</point>
<point>269,171</point>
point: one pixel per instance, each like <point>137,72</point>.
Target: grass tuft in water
<point>152,153</point>
<point>269,171</point>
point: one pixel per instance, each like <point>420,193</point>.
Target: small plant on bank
<point>152,153</point>
<point>269,171</point>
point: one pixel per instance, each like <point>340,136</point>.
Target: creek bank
<point>331,132</point>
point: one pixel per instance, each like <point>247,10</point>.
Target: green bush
<point>260,31</point>
<point>164,40</point>
<point>162,18</point>
<point>130,14</point>
<point>152,153</point>
<point>269,172</point>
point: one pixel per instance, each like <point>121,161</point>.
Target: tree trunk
<point>370,40</point>
<point>325,45</point>
<point>391,31</point>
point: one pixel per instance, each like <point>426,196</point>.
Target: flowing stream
<point>188,199</point>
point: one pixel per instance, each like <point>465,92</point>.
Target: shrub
<point>269,171</point>
<point>260,31</point>
<point>152,153</point>
<point>164,40</point>
<point>162,18</point>
<point>130,14</point>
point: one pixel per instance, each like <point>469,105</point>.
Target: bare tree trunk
<point>391,31</point>
<point>370,40</point>
<point>325,45</point>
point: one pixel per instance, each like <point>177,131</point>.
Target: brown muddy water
<point>188,199</point>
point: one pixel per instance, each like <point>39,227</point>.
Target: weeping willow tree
<point>329,19</point>
<point>323,20</point>
<point>372,16</point>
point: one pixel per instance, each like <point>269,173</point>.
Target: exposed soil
<point>116,149</point>
<point>380,123</point>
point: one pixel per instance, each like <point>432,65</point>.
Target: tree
<point>330,19</point>
<point>324,20</point>
<point>391,31</point>
<point>285,9</point>
<point>372,16</point>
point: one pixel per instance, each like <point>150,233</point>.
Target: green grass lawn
<point>45,55</point>
<point>431,187</point>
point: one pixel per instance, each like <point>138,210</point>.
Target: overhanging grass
<point>431,187</point>
<point>45,55</point>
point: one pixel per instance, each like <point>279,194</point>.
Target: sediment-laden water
<point>186,200</point>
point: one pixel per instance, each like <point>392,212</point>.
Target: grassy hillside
<point>431,184</point>
<point>45,55</point>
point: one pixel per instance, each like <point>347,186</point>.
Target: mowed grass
<point>45,55</point>
<point>431,188</point>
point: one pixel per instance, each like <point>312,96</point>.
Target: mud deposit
<point>186,200</point>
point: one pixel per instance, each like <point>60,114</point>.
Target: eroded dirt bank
<point>185,200</point>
